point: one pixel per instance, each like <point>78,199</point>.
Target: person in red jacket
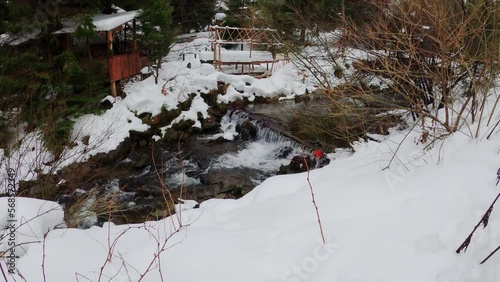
<point>320,158</point>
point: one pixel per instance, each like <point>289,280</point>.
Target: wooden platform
<point>255,39</point>
<point>243,61</point>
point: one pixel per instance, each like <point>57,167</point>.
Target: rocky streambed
<point>237,148</point>
<point>140,180</point>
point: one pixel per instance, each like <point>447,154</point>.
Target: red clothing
<point>318,154</point>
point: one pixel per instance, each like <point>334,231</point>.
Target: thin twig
<point>3,273</point>
<point>161,250</point>
<point>399,146</point>
<point>490,255</point>
<point>484,221</point>
<point>492,130</point>
<point>43,257</point>
<point>183,173</point>
<point>164,188</point>
<point>111,248</point>
<point>314,202</point>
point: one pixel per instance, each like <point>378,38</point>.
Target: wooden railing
<point>124,65</point>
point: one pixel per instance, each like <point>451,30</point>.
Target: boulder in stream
<point>297,164</point>
<point>247,130</point>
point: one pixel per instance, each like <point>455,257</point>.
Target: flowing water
<point>267,152</point>
<point>220,165</point>
<point>222,162</point>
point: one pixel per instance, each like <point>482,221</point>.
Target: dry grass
<point>434,55</point>
<point>91,204</point>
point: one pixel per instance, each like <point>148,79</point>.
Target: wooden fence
<point>124,65</point>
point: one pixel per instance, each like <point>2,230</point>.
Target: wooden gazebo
<point>122,62</point>
<point>254,38</point>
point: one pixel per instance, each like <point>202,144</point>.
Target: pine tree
<point>289,16</point>
<point>237,16</point>
<point>192,14</point>
<point>157,34</point>
<point>47,81</point>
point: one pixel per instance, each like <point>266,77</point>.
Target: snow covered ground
<point>398,224</point>
<point>95,134</point>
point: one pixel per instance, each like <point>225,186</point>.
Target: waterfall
<point>267,152</point>
<point>228,125</point>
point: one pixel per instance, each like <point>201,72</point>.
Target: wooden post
<point>68,42</point>
<point>251,44</point>
<point>134,35</point>
<point>214,49</point>
<point>109,39</point>
<point>220,57</point>
<point>113,88</point>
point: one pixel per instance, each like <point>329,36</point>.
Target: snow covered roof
<point>17,39</point>
<point>69,26</point>
<point>102,22</point>
<point>220,16</point>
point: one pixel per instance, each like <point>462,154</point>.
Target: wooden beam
<point>109,40</point>
<point>113,88</point>
<point>134,35</point>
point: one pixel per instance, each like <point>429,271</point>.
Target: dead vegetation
<point>434,60</point>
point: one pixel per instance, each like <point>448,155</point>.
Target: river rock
<point>114,155</point>
<point>183,125</point>
<point>210,124</point>
<point>247,130</point>
<point>139,159</point>
<point>140,138</point>
<point>245,134</point>
<point>44,187</point>
<point>298,164</point>
<point>227,183</point>
<point>148,191</point>
<point>171,135</point>
<point>107,103</point>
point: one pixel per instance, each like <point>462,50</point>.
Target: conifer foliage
<point>157,34</point>
<point>55,77</point>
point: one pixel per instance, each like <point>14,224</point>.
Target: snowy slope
<point>399,224</point>
<point>95,134</point>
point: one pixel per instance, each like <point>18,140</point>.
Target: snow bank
<point>29,159</point>
<point>31,219</point>
<point>386,217</point>
<point>178,79</point>
<point>402,223</point>
<point>93,134</point>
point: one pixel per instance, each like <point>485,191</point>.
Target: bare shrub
<point>339,118</point>
<point>435,60</point>
<point>433,55</point>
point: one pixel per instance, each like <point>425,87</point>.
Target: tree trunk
<point>157,71</point>
<point>303,35</point>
